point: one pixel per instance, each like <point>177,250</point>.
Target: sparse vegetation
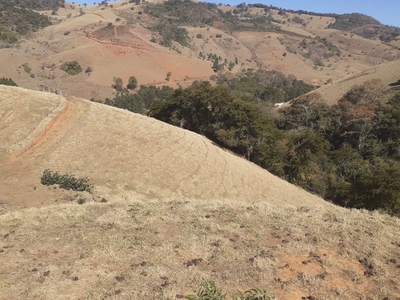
<point>18,19</point>
<point>255,244</point>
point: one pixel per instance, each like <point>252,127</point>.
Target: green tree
<point>132,83</point>
<point>118,83</point>
<point>7,81</point>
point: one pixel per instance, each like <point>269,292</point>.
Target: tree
<point>118,83</point>
<point>7,81</point>
<point>132,83</point>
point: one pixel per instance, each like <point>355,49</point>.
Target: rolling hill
<point>124,154</point>
<point>170,210</point>
<point>189,40</point>
<point>163,192</point>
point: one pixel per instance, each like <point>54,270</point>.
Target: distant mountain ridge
<point>38,4</point>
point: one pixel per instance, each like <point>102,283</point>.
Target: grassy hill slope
<point>124,154</point>
<point>169,209</point>
<point>388,73</point>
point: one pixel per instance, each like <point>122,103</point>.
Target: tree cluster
<point>348,153</point>
<point>7,81</point>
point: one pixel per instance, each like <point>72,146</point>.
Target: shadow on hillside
<point>397,83</point>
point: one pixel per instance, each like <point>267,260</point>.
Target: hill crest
<point>123,154</point>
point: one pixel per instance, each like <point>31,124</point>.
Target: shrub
<point>27,68</point>
<point>71,67</point>
<point>67,181</point>
<point>7,81</point>
<point>207,290</point>
<point>253,294</point>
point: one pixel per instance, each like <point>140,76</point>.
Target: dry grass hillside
<point>118,41</point>
<point>124,154</point>
<point>159,249</point>
<point>388,73</point>
<point>169,209</point>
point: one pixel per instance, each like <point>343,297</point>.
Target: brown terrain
<point>169,209</point>
<point>124,49</point>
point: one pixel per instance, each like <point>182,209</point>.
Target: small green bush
<point>67,181</point>
<point>207,290</point>
<point>26,67</point>
<point>253,294</point>
<point>71,67</point>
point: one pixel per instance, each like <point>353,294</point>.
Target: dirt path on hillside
<point>24,165</point>
<point>44,134</point>
<point>99,15</point>
<point>119,45</point>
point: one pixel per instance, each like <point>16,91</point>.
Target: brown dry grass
<point>387,73</point>
<point>156,249</point>
<point>125,155</point>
